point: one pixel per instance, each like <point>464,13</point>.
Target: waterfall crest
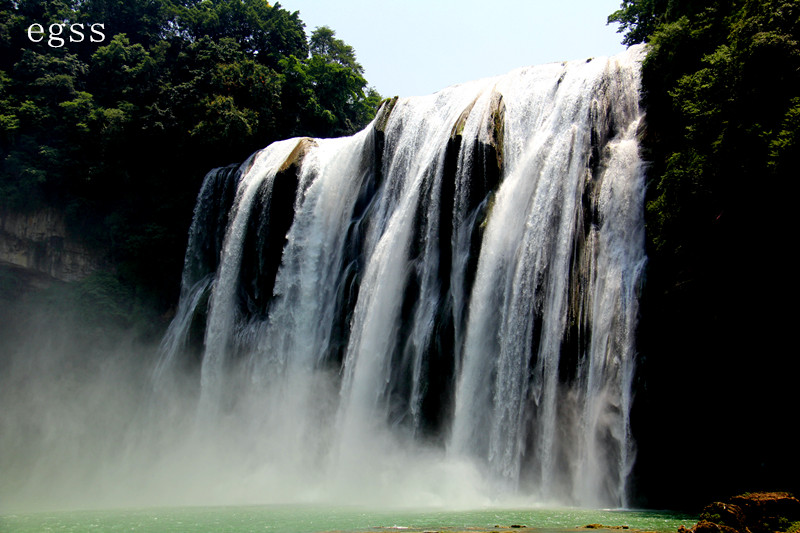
<point>446,299</point>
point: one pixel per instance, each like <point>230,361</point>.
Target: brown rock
<point>768,511</point>
<point>722,513</point>
<point>760,512</point>
<point>704,526</point>
<point>382,117</point>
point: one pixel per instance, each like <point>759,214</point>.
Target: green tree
<point>265,33</point>
<point>119,133</point>
<point>338,83</point>
<point>638,19</point>
<point>145,22</point>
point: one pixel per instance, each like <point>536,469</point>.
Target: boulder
<point>768,511</point>
<point>729,514</point>
<point>758,512</point>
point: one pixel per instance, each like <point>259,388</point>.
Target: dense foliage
<point>119,132</point>
<point>721,85</point>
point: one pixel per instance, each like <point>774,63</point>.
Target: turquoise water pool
<point>295,519</point>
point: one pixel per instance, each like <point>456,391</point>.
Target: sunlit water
<point>311,519</point>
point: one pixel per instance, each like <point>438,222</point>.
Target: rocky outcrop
<point>39,241</point>
<point>384,110</point>
<point>267,228</point>
<point>759,512</point>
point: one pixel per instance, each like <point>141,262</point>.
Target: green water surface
<point>295,519</point>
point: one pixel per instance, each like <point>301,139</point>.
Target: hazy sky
<point>416,47</point>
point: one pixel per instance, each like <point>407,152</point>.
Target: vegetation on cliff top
<point>118,133</point>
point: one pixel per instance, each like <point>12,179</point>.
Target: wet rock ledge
<point>757,512</point>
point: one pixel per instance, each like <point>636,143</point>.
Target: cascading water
<point>456,284</point>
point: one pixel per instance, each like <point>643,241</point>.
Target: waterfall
<point>456,285</point>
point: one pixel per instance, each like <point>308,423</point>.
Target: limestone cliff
<point>39,241</point>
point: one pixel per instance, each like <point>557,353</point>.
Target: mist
<point>85,426</point>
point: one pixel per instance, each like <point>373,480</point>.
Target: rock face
<point>39,242</point>
<point>267,230</point>
<point>759,512</point>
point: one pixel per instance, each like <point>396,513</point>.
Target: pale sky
<point>417,47</point>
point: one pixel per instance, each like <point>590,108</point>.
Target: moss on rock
<point>384,110</point>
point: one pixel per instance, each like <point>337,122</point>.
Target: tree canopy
<point>721,85</point>
<point>119,131</point>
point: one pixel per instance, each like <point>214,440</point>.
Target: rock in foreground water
<point>758,512</point>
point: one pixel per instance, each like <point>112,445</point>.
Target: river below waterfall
<point>309,519</point>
